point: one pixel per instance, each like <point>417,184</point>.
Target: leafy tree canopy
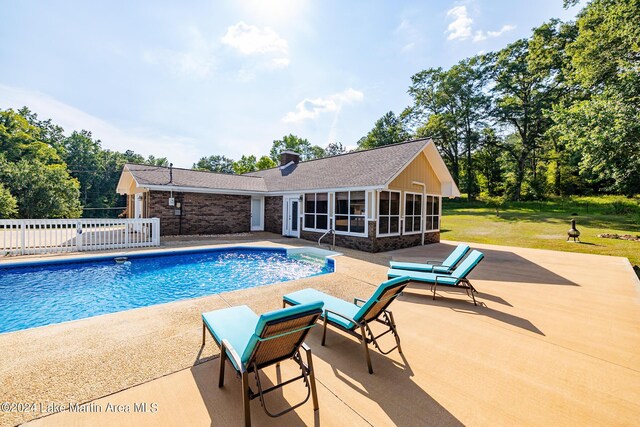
<point>216,163</point>
<point>387,130</point>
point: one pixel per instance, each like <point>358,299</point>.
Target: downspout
<point>423,209</point>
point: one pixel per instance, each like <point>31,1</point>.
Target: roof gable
<point>367,168</point>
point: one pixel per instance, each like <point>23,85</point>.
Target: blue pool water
<point>56,292</point>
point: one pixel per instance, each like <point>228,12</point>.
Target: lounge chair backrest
<point>468,264</point>
<point>454,257</point>
<point>280,333</point>
<point>381,298</point>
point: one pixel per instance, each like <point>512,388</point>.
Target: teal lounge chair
<point>251,342</point>
<point>354,318</point>
<point>433,266</point>
<point>457,278</point>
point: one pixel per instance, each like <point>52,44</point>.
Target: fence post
<point>23,235</point>
<point>79,236</point>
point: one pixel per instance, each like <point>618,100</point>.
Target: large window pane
<point>357,224</point>
<point>418,205</point>
<point>322,222</point>
<point>408,205</point>
<point>342,223</point>
<point>309,221</point>
<point>357,203</point>
<point>383,225</point>
<point>384,203</point>
<point>416,223</point>
<point>309,203</point>
<point>342,203</point>
<point>394,209</point>
<point>394,224</point>
<point>322,204</point>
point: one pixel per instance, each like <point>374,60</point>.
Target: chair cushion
<point>455,256</point>
<point>423,277</point>
<point>330,303</point>
<point>275,315</point>
<point>235,324</point>
<point>377,295</point>
<point>415,266</point>
<point>468,264</point>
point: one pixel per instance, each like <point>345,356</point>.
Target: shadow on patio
<point>497,266</point>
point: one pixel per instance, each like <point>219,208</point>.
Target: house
<point>376,200</point>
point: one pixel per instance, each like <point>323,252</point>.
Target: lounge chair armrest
<point>358,300</point>
<point>434,262</point>
<point>340,315</point>
<point>447,277</point>
<point>226,346</point>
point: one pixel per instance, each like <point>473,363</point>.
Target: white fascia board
<point>124,183</point>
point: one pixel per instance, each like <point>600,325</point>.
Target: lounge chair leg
<point>324,330</point>
<point>204,333</point>
<point>366,348</point>
<point>395,331</point>
<point>223,360</point>
<point>434,290</point>
<point>312,378</point>
<point>246,400</point>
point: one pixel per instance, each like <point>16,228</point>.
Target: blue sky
<point>189,79</point>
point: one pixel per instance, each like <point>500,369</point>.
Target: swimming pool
<point>49,292</point>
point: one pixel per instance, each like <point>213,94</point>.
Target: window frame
<point>349,215</point>
<point>400,225</point>
<point>421,216</point>
<point>431,216</point>
<point>315,212</point>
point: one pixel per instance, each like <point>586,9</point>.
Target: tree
<point>42,191</point>
<point>19,140</point>
<point>294,143</point>
<point>522,96</point>
<point>216,163</point>
<point>603,126</point>
<point>245,164</point>
<point>334,149</point>
<point>489,162</point>
<point>8,204</point>
<point>157,161</point>
<point>458,100</point>
<point>265,162</point>
<point>82,156</point>
<point>387,130</point>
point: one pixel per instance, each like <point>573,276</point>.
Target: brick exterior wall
<point>201,213</point>
<point>373,243</point>
<point>273,214</point>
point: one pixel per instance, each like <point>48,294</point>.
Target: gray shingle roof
<point>156,175</point>
<point>367,168</point>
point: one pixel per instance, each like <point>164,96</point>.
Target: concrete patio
<point>554,340</point>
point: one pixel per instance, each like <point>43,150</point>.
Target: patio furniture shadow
<point>391,387</point>
<point>224,405</point>
<point>497,266</point>
<point>464,306</point>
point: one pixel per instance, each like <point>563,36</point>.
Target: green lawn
<point>544,225</point>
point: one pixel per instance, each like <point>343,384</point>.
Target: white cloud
<point>178,149</point>
<point>481,35</point>
<point>461,27</point>
<point>250,40</point>
<point>197,59</point>
<point>312,108</point>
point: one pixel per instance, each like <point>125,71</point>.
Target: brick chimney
<point>289,156</point>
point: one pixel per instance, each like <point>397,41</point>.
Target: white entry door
<point>257,213</point>
<point>292,217</point>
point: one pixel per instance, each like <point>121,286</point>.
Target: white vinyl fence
<point>39,236</point>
